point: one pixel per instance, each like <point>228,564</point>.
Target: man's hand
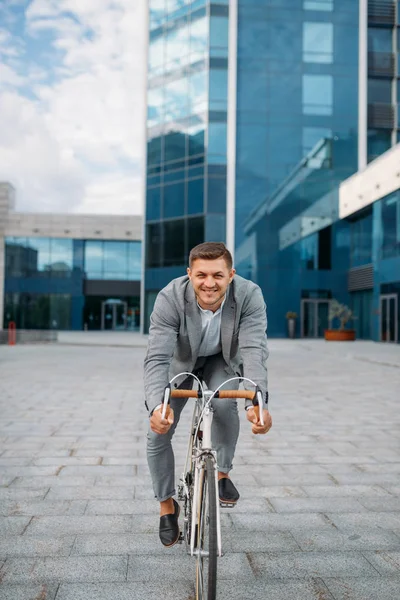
<point>160,425</point>
<point>253,415</point>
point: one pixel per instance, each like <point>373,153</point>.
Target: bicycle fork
<point>198,481</point>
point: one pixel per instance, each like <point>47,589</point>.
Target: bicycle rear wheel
<point>207,548</point>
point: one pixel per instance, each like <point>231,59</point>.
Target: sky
<point>72,112</point>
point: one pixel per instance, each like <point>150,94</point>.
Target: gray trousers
<point>224,434</point>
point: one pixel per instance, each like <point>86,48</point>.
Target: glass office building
<point>295,97</point>
<point>71,284</point>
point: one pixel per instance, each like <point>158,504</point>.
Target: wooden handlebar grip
<point>184,394</point>
<point>236,394</point>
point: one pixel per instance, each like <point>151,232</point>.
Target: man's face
<point>210,279</point>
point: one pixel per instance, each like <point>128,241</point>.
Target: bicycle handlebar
<point>221,394</point>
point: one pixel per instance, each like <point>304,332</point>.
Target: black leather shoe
<point>169,527</point>
<point>227,491</point>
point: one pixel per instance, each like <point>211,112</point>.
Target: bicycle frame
<point>206,418</point>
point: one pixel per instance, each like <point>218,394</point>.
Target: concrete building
<point>68,271</point>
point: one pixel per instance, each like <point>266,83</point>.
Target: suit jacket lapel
<point>227,324</point>
<point>193,321</point>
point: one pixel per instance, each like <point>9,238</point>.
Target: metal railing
<point>381,12</point>
<point>381,64</point>
<point>380,116</point>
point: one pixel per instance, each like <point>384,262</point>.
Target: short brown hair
<point>211,251</point>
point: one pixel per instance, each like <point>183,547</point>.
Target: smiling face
<point>210,280</point>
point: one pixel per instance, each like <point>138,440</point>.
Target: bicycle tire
<point>206,567</point>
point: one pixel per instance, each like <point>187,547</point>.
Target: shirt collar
<point>206,310</point>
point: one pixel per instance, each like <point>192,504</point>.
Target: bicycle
<point>198,487</point>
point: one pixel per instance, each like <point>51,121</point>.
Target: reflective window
<point>217,134</point>
<point>309,252</point>
<point>317,94</point>
<point>361,241</point>
<point>94,259</point>
<point>112,260</point>
<point>177,45</point>
<point>38,257</point>
<point>174,200</point>
<point>198,92</point>
<point>153,245</point>
<point>216,199</point>
<point>38,311</point>
<point>219,36</point>
<point>155,100</point>
<point>157,12</point>
<point>156,55</point>
<point>325,5</point>
<point>194,233</point>
<point>195,196</point>
<point>176,99</point>
<point>313,135</point>
<point>379,90</point>
<point>218,89</point>
<point>174,146</point>
<point>199,39</point>
<point>174,242</point>
<point>379,39</point>
<point>318,42</point>
<point>391,225</point>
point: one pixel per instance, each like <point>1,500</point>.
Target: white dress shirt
<point>210,331</point>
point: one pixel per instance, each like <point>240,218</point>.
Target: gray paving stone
<point>351,539</point>
<point>386,562</point>
<point>365,589</point>
<point>97,471</point>
<point>66,460</point>
<point>344,490</point>
<point>258,541</point>
<point>261,589</point>
<point>304,565</point>
<point>6,480</point>
<point>8,494</point>
<point>45,507</point>
<point>15,462</point>
<point>381,504</point>
<point>120,507</point>
<point>32,455</point>
<point>90,493</point>
<point>59,526</point>
<point>122,543</point>
<point>13,525</point>
<point>127,591</point>
<point>28,592</point>
<point>72,568</point>
<point>51,482</point>
<point>20,471</point>
<point>312,505</point>
<point>35,546</point>
<point>278,522</point>
<point>384,520</point>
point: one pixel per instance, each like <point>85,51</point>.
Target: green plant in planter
<point>341,312</point>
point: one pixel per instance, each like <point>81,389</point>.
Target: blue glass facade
<point>297,140</point>
<point>186,134</point>
<point>297,111</point>
<point>45,278</point>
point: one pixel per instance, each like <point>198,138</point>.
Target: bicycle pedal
<point>227,504</point>
<point>181,538</point>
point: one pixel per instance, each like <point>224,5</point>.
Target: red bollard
<point>12,333</point>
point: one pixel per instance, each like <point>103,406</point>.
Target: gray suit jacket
<point>175,335</point>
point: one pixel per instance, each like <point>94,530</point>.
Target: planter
<point>291,328</point>
<point>336,335</point>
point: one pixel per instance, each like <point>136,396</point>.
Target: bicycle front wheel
<point>207,547</point>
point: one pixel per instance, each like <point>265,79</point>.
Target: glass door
<point>389,324</point>
<point>314,318</point>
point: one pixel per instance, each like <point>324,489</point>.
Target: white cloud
<point>77,144</point>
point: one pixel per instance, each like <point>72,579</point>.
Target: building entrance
<point>389,323</point>
<point>314,317</point>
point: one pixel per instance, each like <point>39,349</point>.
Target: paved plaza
<point>319,514</point>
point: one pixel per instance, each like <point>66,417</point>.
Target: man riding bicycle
<point>212,323</point>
